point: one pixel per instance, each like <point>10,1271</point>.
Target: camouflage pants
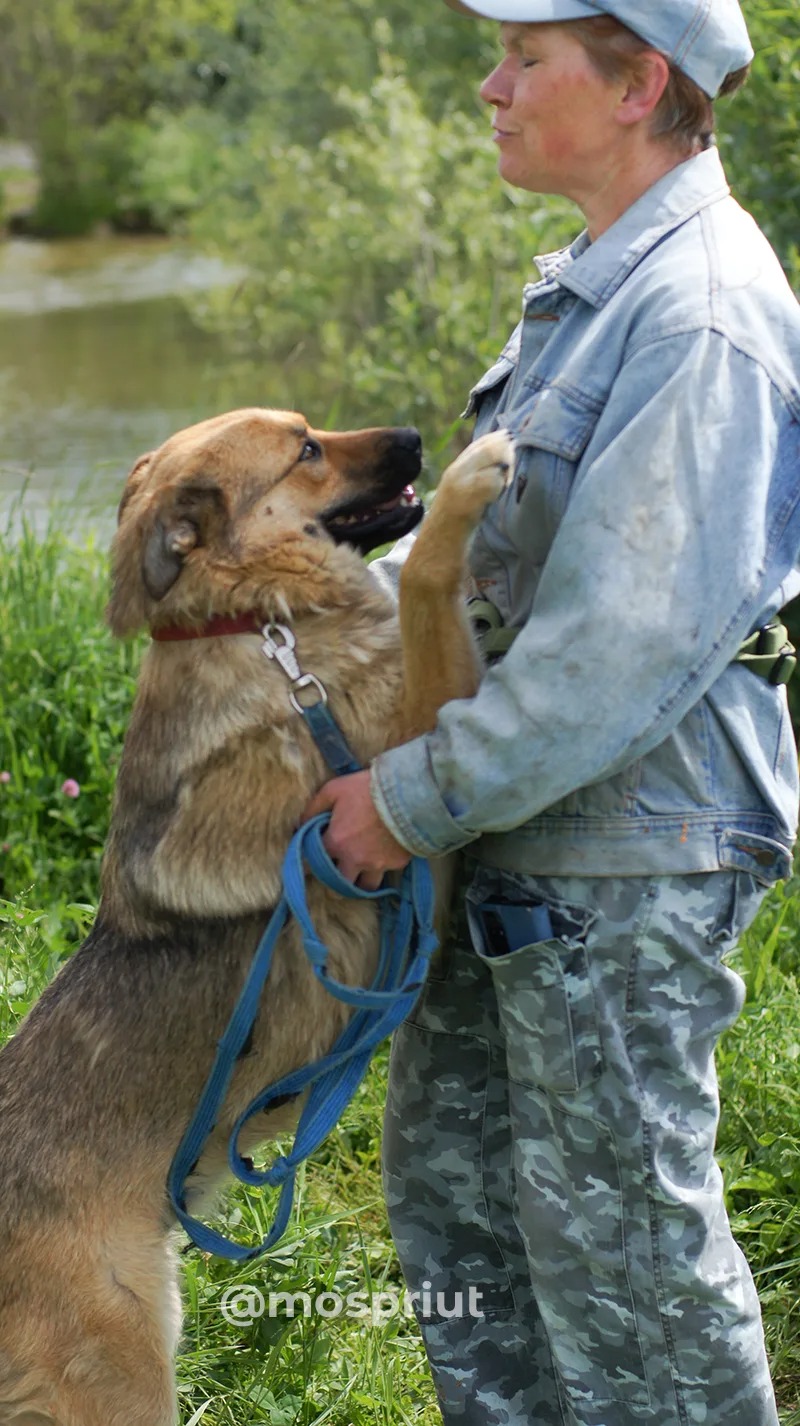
<point>549,1144</point>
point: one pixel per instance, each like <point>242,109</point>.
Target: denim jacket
<point>653,523</point>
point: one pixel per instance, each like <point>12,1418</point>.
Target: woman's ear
<point>645,87</point>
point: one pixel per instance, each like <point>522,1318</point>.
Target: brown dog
<point>250,512</point>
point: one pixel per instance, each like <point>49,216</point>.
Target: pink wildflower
<point>5,776</point>
<point>71,788</point>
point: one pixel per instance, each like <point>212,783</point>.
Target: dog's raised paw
<point>479,475</point>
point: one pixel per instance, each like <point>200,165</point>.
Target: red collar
<point>249,623</point>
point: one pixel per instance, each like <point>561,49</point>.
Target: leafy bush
<point>385,252</point>
<point>760,128</point>
<point>75,78</point>
<point>361,198</point>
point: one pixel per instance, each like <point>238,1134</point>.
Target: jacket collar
<point>594,271</point>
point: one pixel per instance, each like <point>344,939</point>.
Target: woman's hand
<point>356,839</point>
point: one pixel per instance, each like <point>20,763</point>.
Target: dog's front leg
<point>440,661</point>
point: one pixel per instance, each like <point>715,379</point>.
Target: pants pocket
<point>546,1002</point>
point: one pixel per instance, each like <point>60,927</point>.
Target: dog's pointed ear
<point>153,542</point>
<point>165,550</point>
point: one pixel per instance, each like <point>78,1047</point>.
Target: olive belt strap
<point>768,652</point>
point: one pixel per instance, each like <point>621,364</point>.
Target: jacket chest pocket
<point>552,429</point>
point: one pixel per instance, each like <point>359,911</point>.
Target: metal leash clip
<point>284,655</point>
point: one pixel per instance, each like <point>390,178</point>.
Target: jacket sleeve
<point>388,568</point>
<point>662,564</point>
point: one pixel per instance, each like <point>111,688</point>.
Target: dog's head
<point>252,504</point>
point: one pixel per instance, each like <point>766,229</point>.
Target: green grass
<point>759,1140</point>
<point>65,689</point>
<point>65,694</point>
<point>345,1371</point>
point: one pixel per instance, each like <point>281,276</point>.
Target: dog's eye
<point>312,450</point>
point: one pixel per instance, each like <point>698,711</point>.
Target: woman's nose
<point>497,86</point>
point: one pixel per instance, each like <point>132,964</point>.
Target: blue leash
<point>407,943</point>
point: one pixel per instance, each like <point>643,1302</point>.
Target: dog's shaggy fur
<point>245,512</point>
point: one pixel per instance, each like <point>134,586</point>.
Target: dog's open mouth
<point>366,526</point>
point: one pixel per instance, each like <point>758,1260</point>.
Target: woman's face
<point>554,124</point>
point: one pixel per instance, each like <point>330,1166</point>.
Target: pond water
<point>100,361</point>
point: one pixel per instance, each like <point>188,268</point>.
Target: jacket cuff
<point>409,802</point>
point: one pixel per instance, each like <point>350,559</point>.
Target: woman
<point>625,782</point>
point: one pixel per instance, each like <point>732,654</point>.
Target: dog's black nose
<point>408,439</point>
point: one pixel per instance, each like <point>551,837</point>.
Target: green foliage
<point>174,159</point>
<point>75,73</point>
<point>362,200</point>
<point>80,175</point>
<point>35,943</point>
<point>376,241</point>
<point>760,128</point>
<point>340,154</point>
<point>65,693</point>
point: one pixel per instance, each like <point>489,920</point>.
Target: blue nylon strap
<point>407,943</point>
<point>329,739</point>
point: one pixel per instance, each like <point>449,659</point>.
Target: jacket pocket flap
<point>558,421</point>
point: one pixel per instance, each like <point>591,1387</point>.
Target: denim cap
<point>706,39</point>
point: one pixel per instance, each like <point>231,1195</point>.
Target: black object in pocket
<point>508,928</point>
<point>545,999</point>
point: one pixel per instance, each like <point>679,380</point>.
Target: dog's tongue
<point>404,498</point>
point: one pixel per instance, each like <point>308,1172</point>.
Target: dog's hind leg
<point>119,1380</point>
<point>114,1392</point>
<point>124,1378</point>
<point>99,1349</point>
<point>131,1376</point>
